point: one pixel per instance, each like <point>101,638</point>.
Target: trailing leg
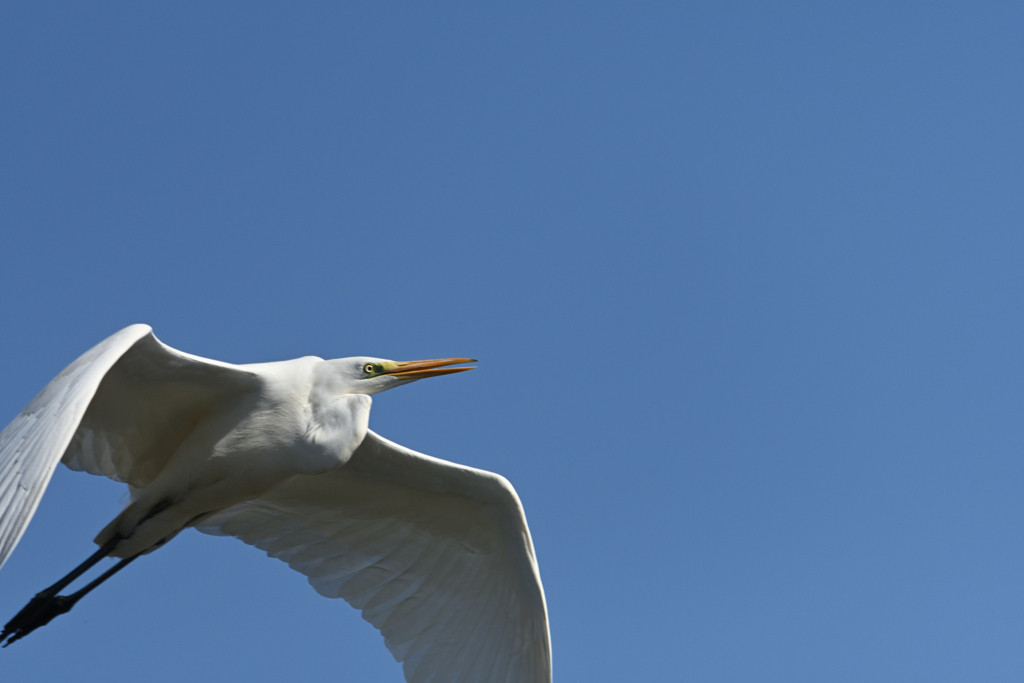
<point>47,604</point>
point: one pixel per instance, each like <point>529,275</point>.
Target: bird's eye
<point>369,369</point>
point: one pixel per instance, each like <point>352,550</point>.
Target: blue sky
<point>745,284</point>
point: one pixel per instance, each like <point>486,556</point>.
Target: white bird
<point>436,555</point>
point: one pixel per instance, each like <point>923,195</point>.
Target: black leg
<point>47,604</point>
<point>105,550</point>
<point>78,595</point>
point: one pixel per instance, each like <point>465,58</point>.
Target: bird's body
<point>437,556</point>
<point>281,423</point>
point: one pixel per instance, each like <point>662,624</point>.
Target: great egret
<point>436,555</point>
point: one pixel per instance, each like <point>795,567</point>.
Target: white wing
<point>119,410</point>
<point>146,405</point>
<point>437,556</point>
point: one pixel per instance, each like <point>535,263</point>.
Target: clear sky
<point>745,283</point>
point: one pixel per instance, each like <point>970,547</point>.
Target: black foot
<point>39,611</point>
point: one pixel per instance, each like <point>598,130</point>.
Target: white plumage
<point>437,556</point>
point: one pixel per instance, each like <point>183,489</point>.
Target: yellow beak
<point>418,369</point>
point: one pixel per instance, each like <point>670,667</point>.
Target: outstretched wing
<point>115,411</point>
<point>147,403</point>
<point>437,556</point>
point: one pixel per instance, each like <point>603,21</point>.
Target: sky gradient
<point>745,285</point>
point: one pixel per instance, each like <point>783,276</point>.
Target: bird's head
<point>364,375</point>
